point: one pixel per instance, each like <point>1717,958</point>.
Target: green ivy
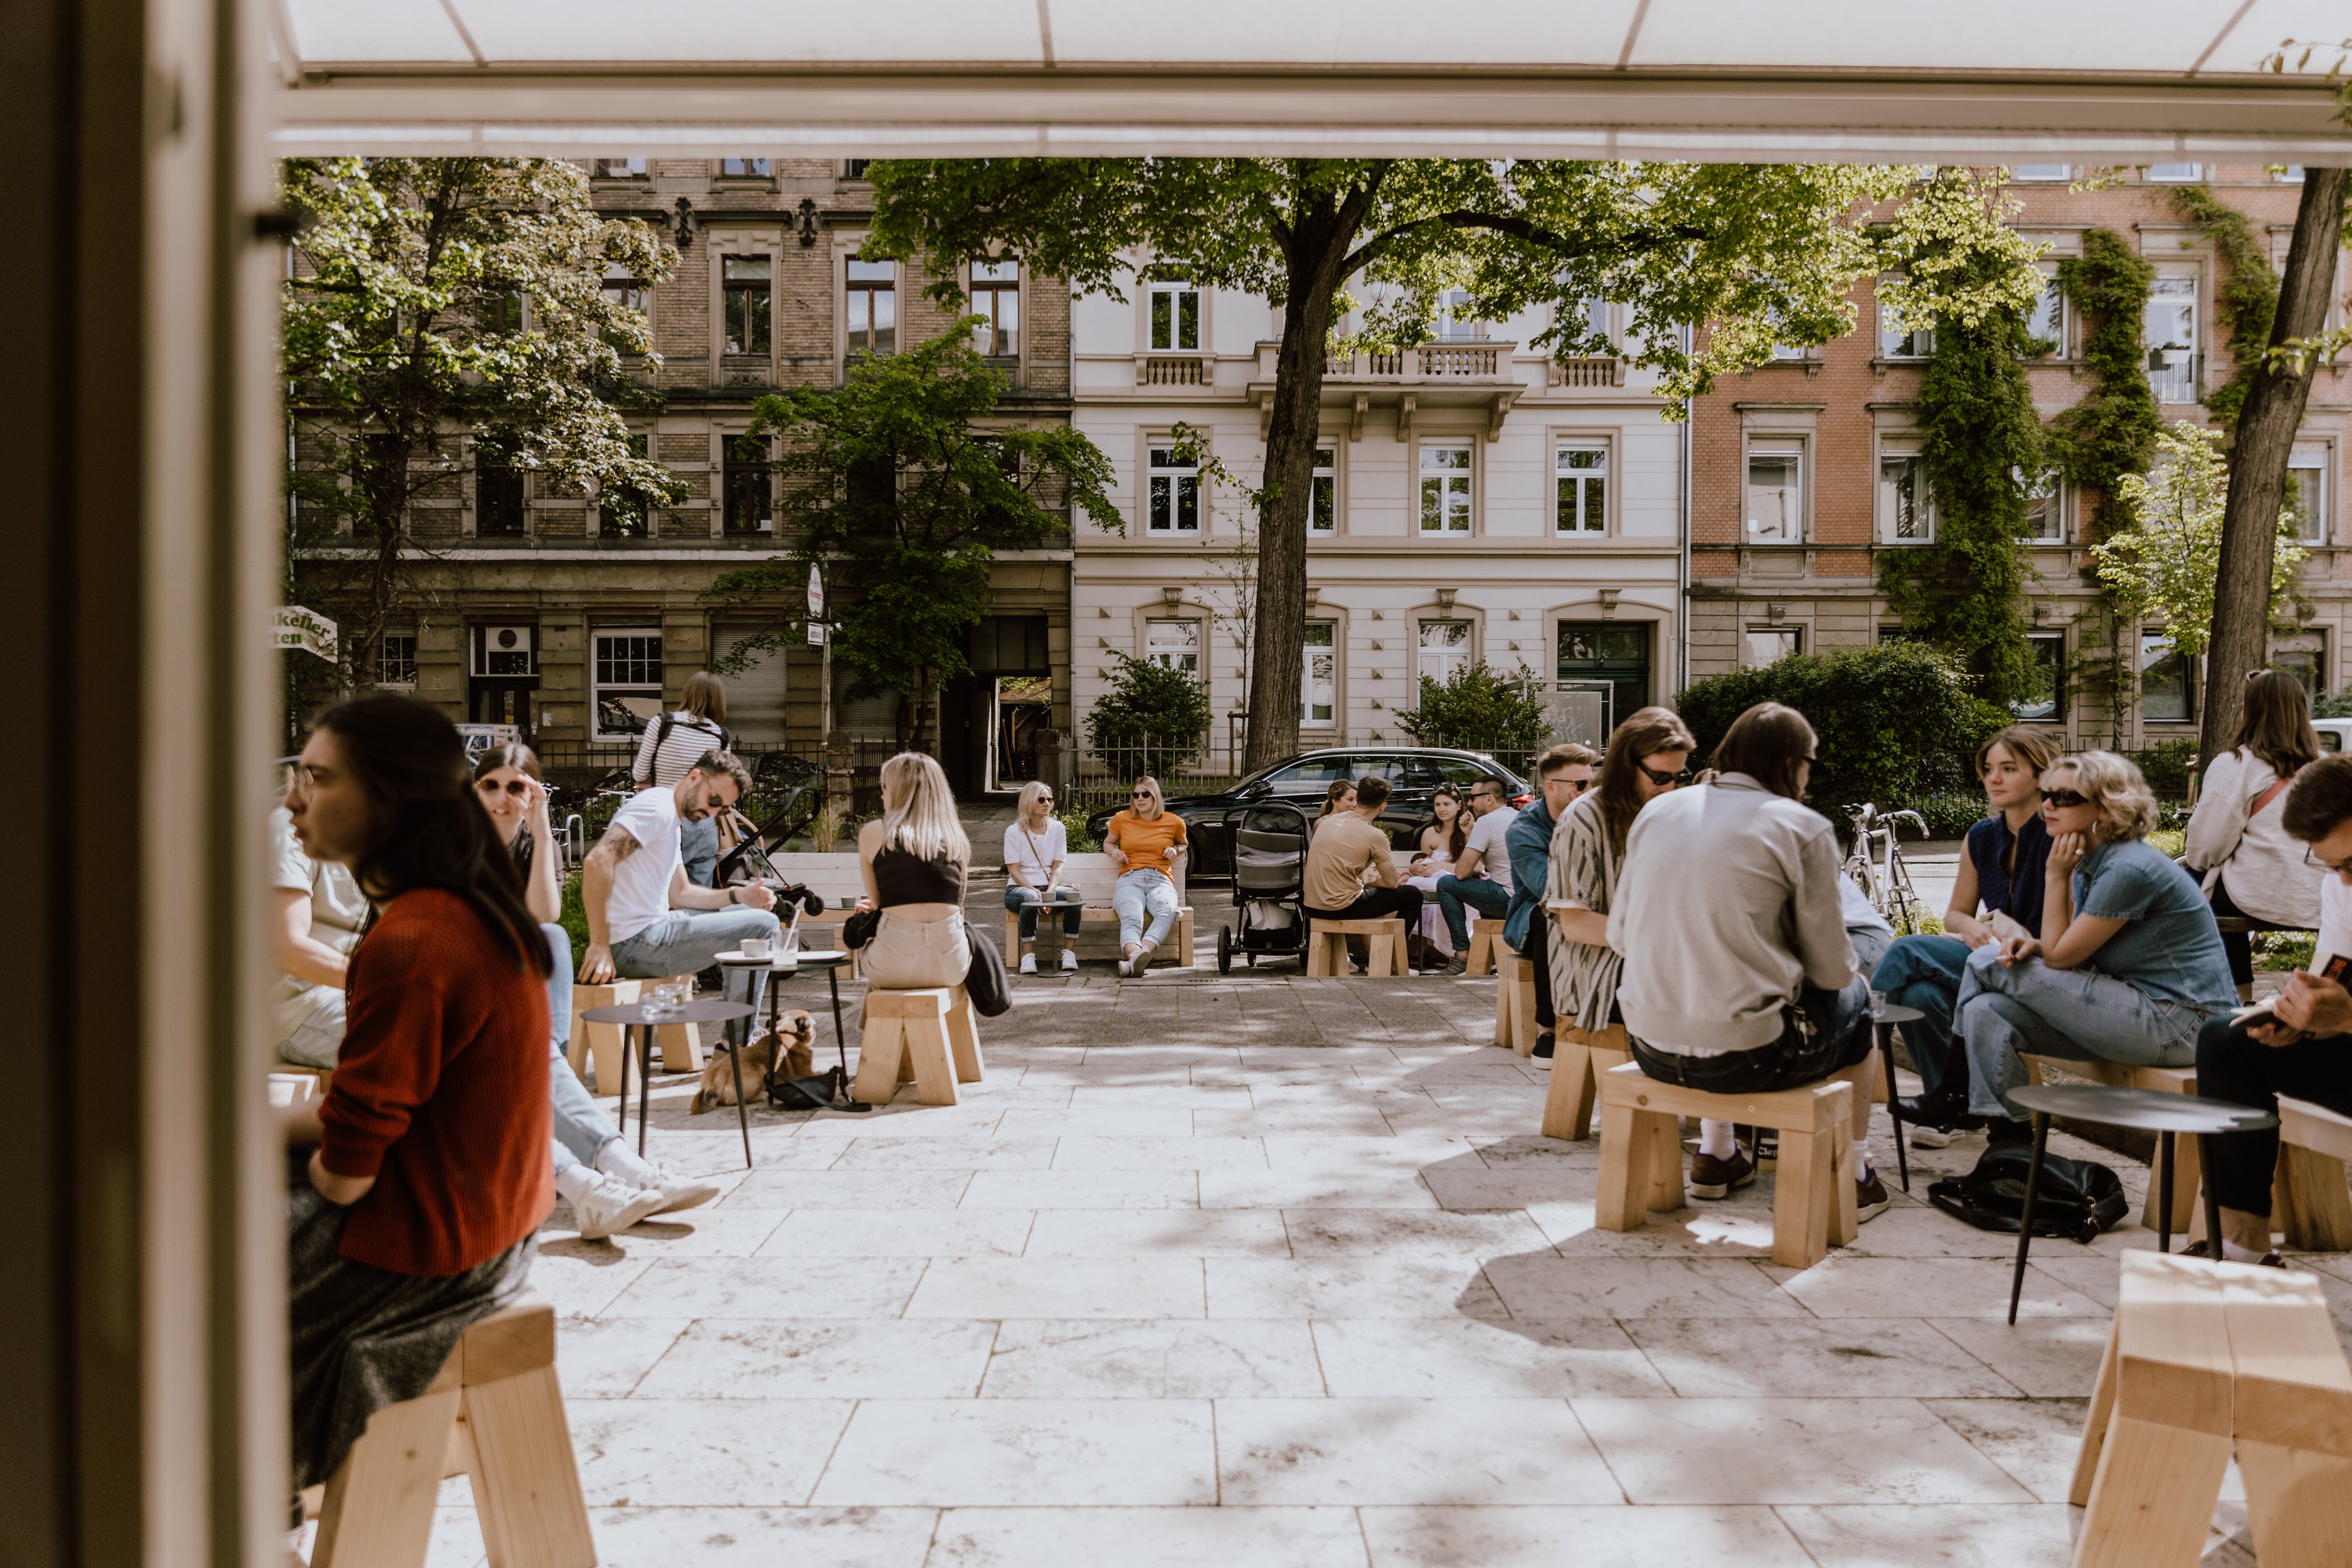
<point>2247,298</point>
<point>2112,431</point>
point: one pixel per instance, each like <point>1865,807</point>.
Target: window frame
<point>631,169</point>
<point>1917,344</point>
<point>2316,530</point>
<point>763,288</point>
<point>1164,655</point>
<point>1467,475</point>
<point>2024,713</point>
<point>1330,630</point>
<point>489,464</point>
<point>749,169</point>
<point>1771,444</point>
<point>1174,290</point>
<point>1888,500</point>
<point>2049,482</point>
<point>598,685</point>
<point>738,470</point>
<point>1453,658</point>
<point>998,290</point>
<point>2040,175</point>
<point>2195,174</point>
<point>1157,447</point>
<point>862,294</point>
<point>2316,687</point>
<point>2195,300</point>
<point>1323,492</point>
<point>609,512</point>
<point>1747,633</point>
<point>1561,446</point>
<point>2056,298</point>
<point>2158,641</point>
<point>390,663</point>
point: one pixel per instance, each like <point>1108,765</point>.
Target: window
<point>1596,318</point>
<point>623,293</point>
<point>2164,696</point>
<point>498,492</point>
<point>1769,645</point>
<point>1776,496</point>
<point>1453,326</point>
<point>2287,173</point>
<point>872,302</point>
<point>1583,483</point>
<point>2042,174</point>
<point>2176,174</point>
<point>745,168</point>
<point>617,169</point>
<point>626,663</point>
<point>744,279</point>
<point>996,295</point>
<point>1323,511</point>
<point>1175,315</point>
<point>750,506</point>
<point>1444,648</point>
<point>2045,510</point>
<point>396,660</point>
<point>2306,476</point>
<point>1614,655</point>
<point>627,514</point>
<point>854,168</point>
<point>2302,655</point>
<point>2047,700</point>
<point>1172,493</point>
<point>502,311</point>
<point>1444,490</point>
<point>2168,330</point>
<point>1173,645</point>
<point>1322,673</point>
<point>1903,342</point>
<point>2046,324</point>
<point>1906,514</point>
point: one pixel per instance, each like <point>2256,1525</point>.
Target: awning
<point>2102,81</point>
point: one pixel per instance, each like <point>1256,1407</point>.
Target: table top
<point>1895,1013</point>
<point>710,1012</point>
<point>816,958</point>
<point>2149,1110</point>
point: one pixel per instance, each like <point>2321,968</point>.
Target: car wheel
<point>1224,949</point>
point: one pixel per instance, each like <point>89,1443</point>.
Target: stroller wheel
<point>1224,949</point>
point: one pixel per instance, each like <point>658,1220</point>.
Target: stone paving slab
<point>1269,1270</point>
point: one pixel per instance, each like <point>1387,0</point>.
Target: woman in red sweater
<point>427,1172</point>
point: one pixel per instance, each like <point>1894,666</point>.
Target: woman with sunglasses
<point>1035,846</point>
<point>1146,841</point>
<point>2128,964</point>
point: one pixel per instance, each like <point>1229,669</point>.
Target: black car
<point>1413,773</point>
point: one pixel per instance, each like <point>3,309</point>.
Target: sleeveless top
<point>900,878</point>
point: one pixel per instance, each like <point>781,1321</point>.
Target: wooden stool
<point>599,1044</point>
<point>1813,1205</point>
<point>2292,1416</point>
<point>2307,1194</point>
<point>2164,1081</point>
<point>495,1415</point>
<point>929,1036</point>
<point>1515,1002</point>
<point>1327,945</point>
<point>1484,932</point>
<point>1578,1059</point>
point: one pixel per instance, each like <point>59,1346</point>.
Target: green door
<point>1615,651</point>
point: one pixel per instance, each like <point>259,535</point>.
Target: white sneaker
<point>608,1204</point>
<point>680,1192</point>
<point>1028,964</point>
<point>1069,960</point>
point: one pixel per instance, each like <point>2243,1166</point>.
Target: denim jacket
<point>1530,842</point>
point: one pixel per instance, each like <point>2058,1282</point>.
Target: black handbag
<point>2074,1198</point>
<point>990,988</point>
<point>858,928</point>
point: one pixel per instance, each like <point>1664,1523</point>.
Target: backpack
<point>2074,1198</point>
<point>668,723</point>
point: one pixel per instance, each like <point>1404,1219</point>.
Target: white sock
<point>1715,1140</point>
<point>1861,1165</point>
<point>615,1159</point>
<point>2231,1252</point>
<point>572,1181</point>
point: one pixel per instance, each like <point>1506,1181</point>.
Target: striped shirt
<point>1582,874</point>
<point>689,738</point>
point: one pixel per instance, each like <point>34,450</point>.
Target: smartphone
<point>2260,1016</point>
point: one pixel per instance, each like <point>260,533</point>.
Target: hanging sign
<point>816,633</point>
<point>295,627</point>
<point>817,594</point>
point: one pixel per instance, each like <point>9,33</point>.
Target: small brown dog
<point>798,1032</point>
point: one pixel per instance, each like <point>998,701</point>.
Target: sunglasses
<point>1664,780</point>
<point>1140,794</point>
<point>512,786</point>
<point>2063,798</point>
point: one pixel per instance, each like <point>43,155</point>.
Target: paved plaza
<point>1277,1271</point>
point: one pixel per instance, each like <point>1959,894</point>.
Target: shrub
<point>575,919</point>
<point>1948,816</point>
<point>1074,824</point>
<point>1476,709</point>
<point>2167,766</point>
<point>1883,715</point>
<point>1151,719</point>
<point>2336,707</point>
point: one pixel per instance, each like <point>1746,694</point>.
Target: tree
<point>437,298</point>
<point>2276,391</point>
<point>1476,709</point>
<point>1151,721</point>
<point>2164,568</point>
<point>892,488</point>
<point>1751,254</point>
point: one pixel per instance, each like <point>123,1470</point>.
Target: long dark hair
<point>428,830</point>
<point>508,754</point>
<point>1767,742</point>
<point>1456,837</point>
<point>1645,731</point>
<point>2276,724</point>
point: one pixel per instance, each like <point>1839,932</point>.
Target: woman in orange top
<point>1145,842</point>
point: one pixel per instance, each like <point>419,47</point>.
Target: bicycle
<point>1887,885</point>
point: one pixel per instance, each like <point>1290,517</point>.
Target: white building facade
<point>1475,499</point>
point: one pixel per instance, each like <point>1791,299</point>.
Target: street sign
<point>816,633</point>
<point>294,626</point>
<point>816,595</point>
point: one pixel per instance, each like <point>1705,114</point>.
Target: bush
<point>575,921</point>
<point>1151,721</point>
<point>1476,709</point>
<point>2336,707</point>
<point>1948,816</point>
<point>2167,766</point>
<point>1886,716</point>
<point>1074,824</point>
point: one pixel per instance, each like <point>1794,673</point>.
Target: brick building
<point>1805,471</point>
<point>576,615</point>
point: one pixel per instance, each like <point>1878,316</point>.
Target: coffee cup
<point>755,947</point>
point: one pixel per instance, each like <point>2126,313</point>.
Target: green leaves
<point>2111,433</point>
<point>1151,721</point>
<point>2163,567</point>
<point>1475,708</point>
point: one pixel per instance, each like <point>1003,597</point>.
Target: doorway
<point>1616,653</point>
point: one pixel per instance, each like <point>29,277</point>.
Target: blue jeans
<point>1026,901</point>
<point>1488,897</point>
<point>2077,1013</point>
<point>582,1131</point>
<point>684,942</point>
<point>697,846</point>
<point>1924,972</point>
<point>1139,893</point>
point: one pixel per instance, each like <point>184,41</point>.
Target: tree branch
<point>1634,242</point>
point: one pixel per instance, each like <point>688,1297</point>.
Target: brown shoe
<point>1871,1198</point>
<point>1713,1178</point>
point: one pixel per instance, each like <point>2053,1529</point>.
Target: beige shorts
<point>914,955</point>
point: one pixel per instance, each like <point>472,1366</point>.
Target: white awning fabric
<point>2121,81</point>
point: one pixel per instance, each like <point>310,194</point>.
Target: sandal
<point>2267,1260</point>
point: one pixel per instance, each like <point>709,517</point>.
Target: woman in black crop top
<point>914,862</point>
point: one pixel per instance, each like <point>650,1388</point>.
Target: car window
<point>1459,770</point>
<point>2329,741</point>
<point>1415,772</point>
<point>1313,773</point>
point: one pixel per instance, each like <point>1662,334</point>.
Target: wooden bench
<point>1578,1059</point>
<point>1485,930</point>
<point>2164,1081</point>
<point>2308,1200</point>
<point>1515,1002</point>
<point>1641,1155</point>
<point>1384,945</point>
<point>1094,876</point>
<point>494,1414</point>
<point>930,1038</point>
<point>597,1046</point>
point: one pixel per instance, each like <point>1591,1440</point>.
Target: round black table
<point>1882,1023</point>
<point>833,960</point>
<point>2145,1110</point>
<point>637,1017</point>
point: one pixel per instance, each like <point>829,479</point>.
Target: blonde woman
<point>914,860</point>
<point>1145,841</point>
<point>2128,965</point>
<point>1035,846</point>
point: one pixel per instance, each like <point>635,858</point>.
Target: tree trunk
<point>2266,440</point>
<point>1277,668</point>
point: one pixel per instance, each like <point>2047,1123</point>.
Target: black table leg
<point>742,1116</point>
<point>622,1118</point>
<point>1894,1101</point>
<point>2213,1201</point>
<point>2025,1220</point>
<point>840,1040</point>
<point>2164,1197</point>
<point>644,1087</point>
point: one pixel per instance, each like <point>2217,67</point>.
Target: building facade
<point>1475,499</point>
<point>1807,472</point>
<point>578,616</point>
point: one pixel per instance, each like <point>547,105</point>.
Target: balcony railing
<point>1440,363</point>
<point>1175,370</point>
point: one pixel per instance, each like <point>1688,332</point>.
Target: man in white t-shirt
<point>319,913</point>
<point>1481,876</point>
<point>645,921</point>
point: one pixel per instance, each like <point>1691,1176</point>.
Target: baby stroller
<point>1269,849</point>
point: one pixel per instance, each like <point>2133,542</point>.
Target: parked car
<point>2335,734</point>
<point>1412,772</point>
